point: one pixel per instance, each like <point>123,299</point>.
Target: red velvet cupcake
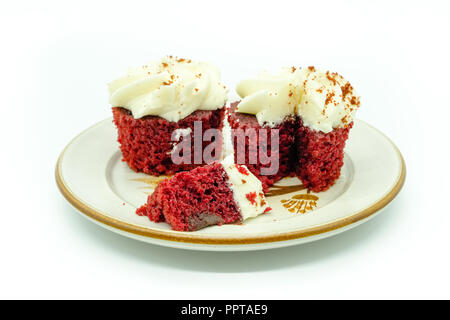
<point>312,145</point>
<point>325,114</point>
<point>159,105</point>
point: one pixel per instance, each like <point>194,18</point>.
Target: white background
<point>55,61</point>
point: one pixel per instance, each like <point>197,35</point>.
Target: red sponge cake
<point>285,152</point>
<point>146,143</point>
<point>321,156</point>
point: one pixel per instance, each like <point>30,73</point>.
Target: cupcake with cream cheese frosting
<point>325,116</point>
<point>323,105</point>
<point>152,102</point>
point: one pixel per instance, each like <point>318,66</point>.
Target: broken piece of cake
<point>215,194</point>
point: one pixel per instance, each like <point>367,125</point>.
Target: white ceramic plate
<point>92,177</point>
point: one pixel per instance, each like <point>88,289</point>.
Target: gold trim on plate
<point>192,238</point>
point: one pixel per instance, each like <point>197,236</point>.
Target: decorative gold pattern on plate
<point>301,203</point>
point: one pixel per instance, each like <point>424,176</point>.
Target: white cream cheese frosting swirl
<point>323,100</point>
<point>327,100</point>
<point>271,97</point>
<point>171,88</point>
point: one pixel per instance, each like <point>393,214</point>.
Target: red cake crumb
<point>251,197</point>
<point>146,143</point>
<point>321,156</point>
<point>192,200</point>
<point>242,170</point>
<point>267,210</point>
<point>287,153</point>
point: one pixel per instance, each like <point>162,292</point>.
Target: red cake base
<point>287,153</point>
<point>320,156</point>
<point>193,200</point>
<point>146,143</point>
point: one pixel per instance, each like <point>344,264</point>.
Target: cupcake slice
<point>325,116</point>
<point>267,108</point>
<point>219,193</point>
<point>161,101</point>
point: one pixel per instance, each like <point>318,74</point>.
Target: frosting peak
<point>327,101</point>
<point>323,100</point>
<point>171,88</point>
<point>270,97</point>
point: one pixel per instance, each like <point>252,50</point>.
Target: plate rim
<point>186,238</point>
